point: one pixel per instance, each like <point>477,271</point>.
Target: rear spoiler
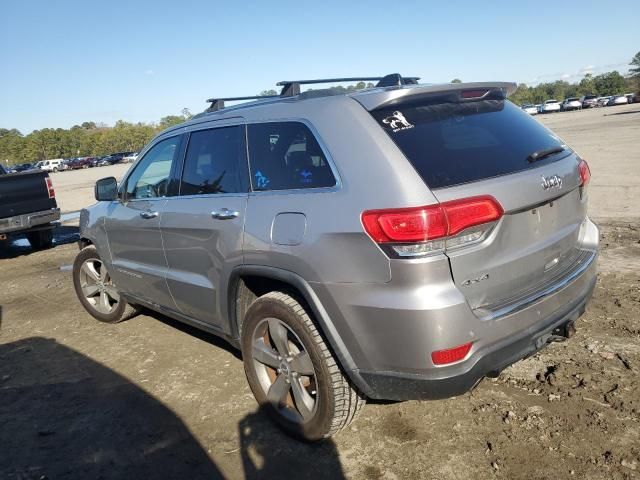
<point>377,98</point>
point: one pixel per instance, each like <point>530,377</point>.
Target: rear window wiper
<point>540,154</point>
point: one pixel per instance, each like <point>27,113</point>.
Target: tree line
<point>91,139</point>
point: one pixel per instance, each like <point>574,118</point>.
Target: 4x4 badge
<point>397,121</point>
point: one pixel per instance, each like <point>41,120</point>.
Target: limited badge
<point>397,121</point>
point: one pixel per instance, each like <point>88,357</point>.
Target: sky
<point>64,62</point>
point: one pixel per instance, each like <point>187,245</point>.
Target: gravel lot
<point>150,398</point>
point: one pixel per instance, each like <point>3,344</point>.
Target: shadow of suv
<point>397,242</point>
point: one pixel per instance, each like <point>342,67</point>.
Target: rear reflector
<point>451,355</point>
<point>585,173</point>
<point>50,190</point>
<point>420,224</point>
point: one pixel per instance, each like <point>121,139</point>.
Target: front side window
<point>215,162</point>
<point>285,156</point>
<point>151,176</point>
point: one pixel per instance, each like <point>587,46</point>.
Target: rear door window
<point>216,162</point>
<point>285,156</point>
<point>451,143</point>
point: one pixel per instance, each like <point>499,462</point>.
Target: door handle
<point>224,214</point>
<point>148,214</point>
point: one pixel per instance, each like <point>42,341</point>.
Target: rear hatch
<point>470,143</point>
<point>26,192</point>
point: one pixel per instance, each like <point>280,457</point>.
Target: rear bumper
<point>29,221</point>
<point>394,386</point>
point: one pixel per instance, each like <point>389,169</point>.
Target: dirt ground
<point>151,398</point>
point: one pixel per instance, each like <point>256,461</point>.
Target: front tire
<point>95,289</point>
<point>292,372</point>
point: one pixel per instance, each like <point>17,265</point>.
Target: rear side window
<point>215,162</point>
<point>453,143</point>
<point>285,156</point>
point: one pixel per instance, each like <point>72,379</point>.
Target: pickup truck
<point>28,206</point>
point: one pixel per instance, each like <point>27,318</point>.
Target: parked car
<point>571,103</point>
<point>631,97</point>
<point>617,100</point>
<point>589,101</point>
<point>130,157</point>
<point>52,165</point>
<point>28,206</point>
<point>22,167</point>
<point>530,109</point>
<point>385,243</point>
<point>603,101</point>
<point>550,106</point>
<point>81,162</point>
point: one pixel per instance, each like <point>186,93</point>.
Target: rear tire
<point>314,398</point>
<point>95,290</point>
<point>41,239</point>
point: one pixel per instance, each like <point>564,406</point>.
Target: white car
<point>130,158</point>
<point>618,100</point>
<point>571,103</point>
<point>53,165</point>
<point>530,109</point>
<point>550,106</point>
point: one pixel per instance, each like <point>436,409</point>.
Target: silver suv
<point>398,242</point>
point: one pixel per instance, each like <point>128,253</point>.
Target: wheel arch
<point>247,282</point>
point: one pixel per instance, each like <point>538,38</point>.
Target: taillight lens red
<point>585,173</point>
<point>473,93</point>
<point>420,224</point>
<point>50,190</point>
<point>450,355</point>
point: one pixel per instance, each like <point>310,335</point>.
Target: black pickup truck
<point>28,205</point>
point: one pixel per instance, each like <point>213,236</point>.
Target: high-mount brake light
<point>473,93</point>
<point>585,173</point>
<point>50,189</point>
<point>429,229</point>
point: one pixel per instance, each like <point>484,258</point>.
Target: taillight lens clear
<point>451,355</point>
<point>585,173</point>
<point>430,226</point>
<point>50,189</point>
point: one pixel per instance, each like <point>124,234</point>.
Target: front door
<point>133,226</point>
<point>202,227</point>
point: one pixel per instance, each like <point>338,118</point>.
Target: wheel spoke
<point>90,269</point>
<point>304,401</point>
<point>104,302</point>
<point>103,274</point>
<point>278,334</point>
<point>264,354</point>
<point>90,290</point>
<point>301,363</point>
<point>112,292</point>
<point>278,390</point>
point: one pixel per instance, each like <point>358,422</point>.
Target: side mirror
<point>106,189</point>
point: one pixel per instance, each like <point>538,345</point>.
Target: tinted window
<point>151,176</point>
<point>286,155</point>
<point>215,162</point>
<point>454,143</point>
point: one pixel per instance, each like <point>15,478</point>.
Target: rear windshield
<point>454,143</point>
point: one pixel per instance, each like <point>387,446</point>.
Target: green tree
<point>265,93</point>
<point>635,69</point>
<point>610,83</point>
<point>456,80</point>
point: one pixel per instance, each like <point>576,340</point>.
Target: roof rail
<point>291,88</point>
<point>218,103</point>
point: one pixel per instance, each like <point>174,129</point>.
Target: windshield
<point>453,143</point>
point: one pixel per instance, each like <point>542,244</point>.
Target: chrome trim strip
<point>526,302</point>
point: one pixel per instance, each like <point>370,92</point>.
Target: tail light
<point>411,232</point>
<point>585,173</point>
<point>50,190</point>
<point>450,355</point>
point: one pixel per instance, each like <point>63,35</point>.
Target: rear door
<point>133,226</point>
<point>202,226</point>
<point>468,147</point>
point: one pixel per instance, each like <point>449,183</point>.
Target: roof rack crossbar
<point>291,88</point>
<point>218,103</point>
